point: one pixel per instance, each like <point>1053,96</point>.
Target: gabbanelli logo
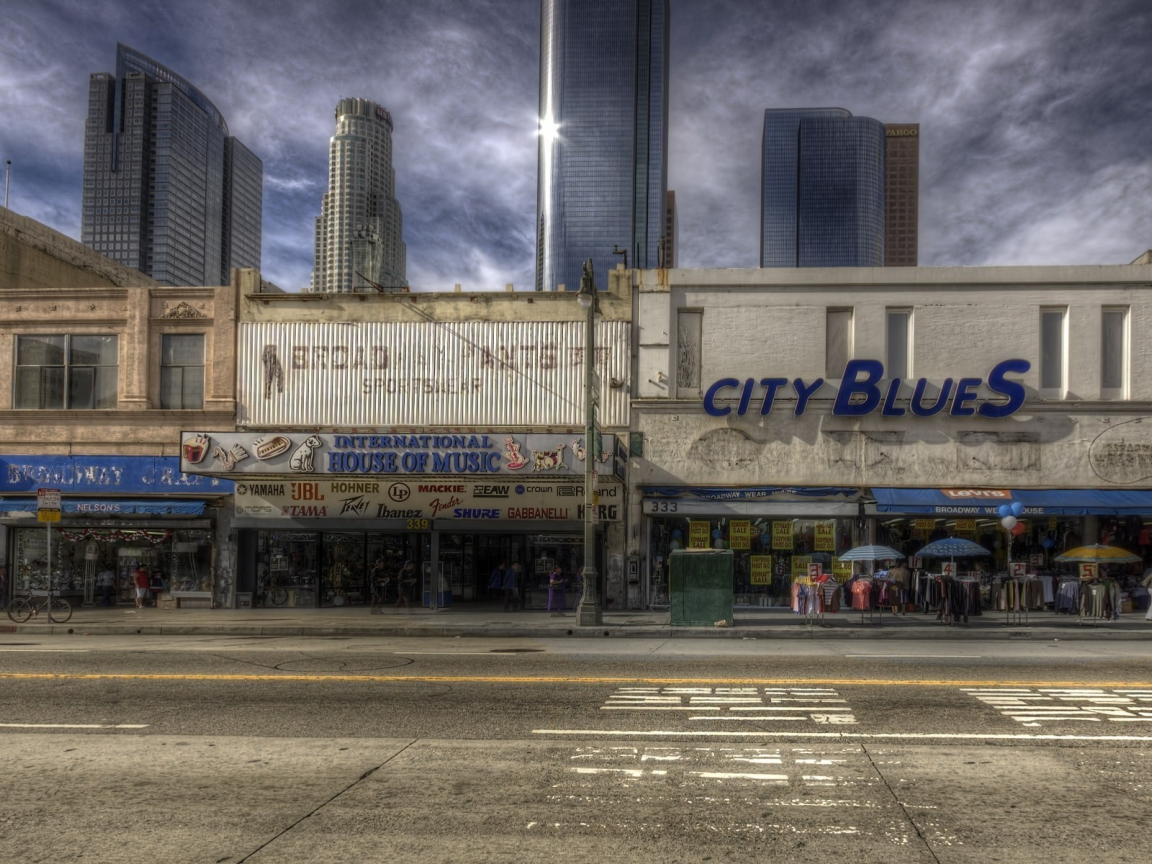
<point>999,494</point>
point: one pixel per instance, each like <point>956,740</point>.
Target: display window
<point>769,553</point>
<point>96,565</point>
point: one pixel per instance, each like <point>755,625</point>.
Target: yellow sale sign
<point>699,535</point>
<point>782,536</point>
<point>740,534</point>
<point>825,537</point>
<point>966,527</point>
<point>841,570</point>
<point>800,565</point>
<point>761,570</point>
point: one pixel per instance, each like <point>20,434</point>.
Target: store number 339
<point>417,524</point>
<point>661,506</point>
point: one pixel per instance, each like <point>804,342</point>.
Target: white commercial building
<point>359,232</point>
<point>791,414</point>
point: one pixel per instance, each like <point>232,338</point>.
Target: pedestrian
<point>140,580</point>
<point>406,579</point>
<point>556,591</point>
<point>105,579</point>
<point>900,575</point>
<point>521,598</point>
<point>379,585</point>
<point>510,588</point>
<point>496,580</point>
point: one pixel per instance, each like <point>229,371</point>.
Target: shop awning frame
<point>103,507</point>
<point>1037,502</point>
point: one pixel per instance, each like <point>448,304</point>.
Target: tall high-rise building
<point>671,233</point>
<point>603,157</point>
<point>359,232</point>
<point>902,195</point>
<point>166,189</point>
<point>822,191</point>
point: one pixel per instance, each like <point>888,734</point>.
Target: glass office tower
<point>822,189</point>
<point>603,157</point>
<point>166,189</point>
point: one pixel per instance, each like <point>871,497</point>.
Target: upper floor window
<point>1114,353</point>
<point>837,342</point>
<point>63,371</point>
<point>899,359</point>
<point>1053,352</point>
<point>182,370</point>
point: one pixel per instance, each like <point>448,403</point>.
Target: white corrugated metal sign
<point>381,374</point>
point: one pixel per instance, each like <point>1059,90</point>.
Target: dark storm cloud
<point>1034,116</point>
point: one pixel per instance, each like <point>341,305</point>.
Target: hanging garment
<point>862,595</point>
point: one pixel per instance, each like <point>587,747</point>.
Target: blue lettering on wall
<point>860,394</point>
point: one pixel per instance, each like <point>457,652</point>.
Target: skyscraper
<point>902,195</point>
<point>166,189</point>
<point>359,232</point>
<point>671,233</point>
<point>822,192</point>
<point>603,154</point>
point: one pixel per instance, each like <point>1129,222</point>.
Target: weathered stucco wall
<point>34,256</point>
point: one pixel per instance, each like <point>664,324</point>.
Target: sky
<point>1034,117</point>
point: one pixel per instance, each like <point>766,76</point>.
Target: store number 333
<point>661,506</point>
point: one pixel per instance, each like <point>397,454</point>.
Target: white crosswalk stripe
<point>737,704</point>
<point>1034,706</point>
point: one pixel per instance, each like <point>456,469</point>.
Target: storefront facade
<point>95,384</point>
<point>320,516</point>
<point>806,412</point>
<point>441,429</point>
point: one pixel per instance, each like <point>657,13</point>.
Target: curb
<point>766,634</point>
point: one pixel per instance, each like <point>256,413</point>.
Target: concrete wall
<point>139,316</point>
<point>33,256</point>
<point>771,323</point>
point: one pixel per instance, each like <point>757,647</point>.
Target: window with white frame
<point>66,371</point>
<point>1053,352</point>
<point>898,362</point>
<point>182,371</point>
<point>1114,353</point>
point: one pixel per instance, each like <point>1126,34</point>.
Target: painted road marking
<point>563,679</point>
<point>1032,707</point>
<point>763,704</point>
<point>921,656</point>
<point>869,736</point>
<point>73,726</point>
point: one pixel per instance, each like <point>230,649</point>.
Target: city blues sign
<point>861,393</point>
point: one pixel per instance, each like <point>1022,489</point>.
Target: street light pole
<point>588,610</point>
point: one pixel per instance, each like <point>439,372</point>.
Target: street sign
<point>47,499</point>
<point>47,505</point>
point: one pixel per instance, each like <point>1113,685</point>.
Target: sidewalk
<point>490,620</point>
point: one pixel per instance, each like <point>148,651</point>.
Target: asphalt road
<point>224,749</point>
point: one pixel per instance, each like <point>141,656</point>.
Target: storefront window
<point>286,568</point>
<point>176,561</point>
<point>769,553</point>
<point>546,551</point>
<point>344,569</point>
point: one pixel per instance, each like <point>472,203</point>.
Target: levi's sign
<point>861,392</point>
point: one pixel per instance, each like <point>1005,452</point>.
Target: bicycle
<point>23,608</point>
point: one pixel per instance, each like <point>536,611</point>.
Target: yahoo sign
<point>860,393</point>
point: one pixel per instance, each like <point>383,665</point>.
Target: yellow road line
<point>513,679</point>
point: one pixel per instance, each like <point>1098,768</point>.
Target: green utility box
<point>700,587</point>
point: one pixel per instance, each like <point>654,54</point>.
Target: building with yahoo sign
<point>790,415</point>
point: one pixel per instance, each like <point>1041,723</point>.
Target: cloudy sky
<point>1035,116</point>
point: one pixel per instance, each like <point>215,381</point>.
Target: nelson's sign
<point>861,392</point>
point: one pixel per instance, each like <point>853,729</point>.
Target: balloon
<point>1017,508</point>
<point>676,534</point>
<point>1018,529</point>
<point>1003,510</point>
<point>716,534</point>
<point>1009,521</point>
<point>1047,542</point>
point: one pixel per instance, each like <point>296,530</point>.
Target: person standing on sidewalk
<point>105,579</point>
<point>496,580</point>
<point>510,588</point>
<point>556,591</point>
<point>140,580</point>
<point>407,578</point>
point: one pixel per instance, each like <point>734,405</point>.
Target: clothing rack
<point>1099,601</point>
<point>864,599</point>
<point>1015,599</point>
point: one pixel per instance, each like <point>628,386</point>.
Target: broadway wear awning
<point>109,507</point>
<point>1037,502</point>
